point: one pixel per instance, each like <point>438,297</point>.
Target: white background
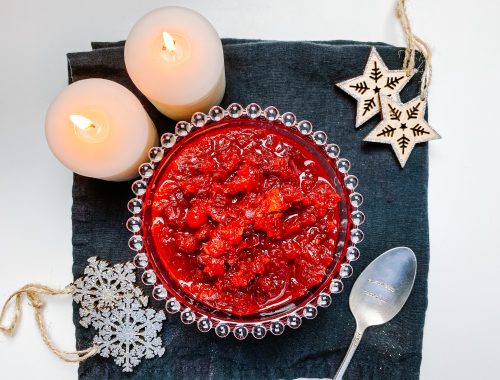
<point>461,331</point>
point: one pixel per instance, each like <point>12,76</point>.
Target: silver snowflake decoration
<point>102,287</point>
<point>129,333</point>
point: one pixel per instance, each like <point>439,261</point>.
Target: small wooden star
<point>376,80</point>
<point>402,126</point>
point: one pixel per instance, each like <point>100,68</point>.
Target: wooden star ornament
<point>377,80</point>
<point>402,126</point>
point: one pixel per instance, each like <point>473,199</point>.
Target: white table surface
<point>460,340</point>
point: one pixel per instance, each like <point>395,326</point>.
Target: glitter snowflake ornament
<point>129,333</point>
<point>402,126</point>
<point>112,304</point>
<point>102,287</point>
<point>377,80</point>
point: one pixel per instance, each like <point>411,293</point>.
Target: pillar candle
<point>98,128</point>
<point>174,56</point>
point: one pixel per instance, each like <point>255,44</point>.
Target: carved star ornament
<point>402,126</point>
<point>377,90</point>
<point>377,80</point>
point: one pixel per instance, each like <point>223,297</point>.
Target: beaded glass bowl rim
<point>222,327</point>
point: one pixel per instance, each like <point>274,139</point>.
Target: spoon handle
<point>350,352</point>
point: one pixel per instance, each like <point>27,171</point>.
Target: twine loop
<point>34,293</point>
<point>414,43</point>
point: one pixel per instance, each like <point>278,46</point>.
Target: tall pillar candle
<point>174,56</point>
<point>98,128</point>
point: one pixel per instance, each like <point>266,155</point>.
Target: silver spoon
<point>379,293</point>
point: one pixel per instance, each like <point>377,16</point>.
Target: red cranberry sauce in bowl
<point>245,220</point>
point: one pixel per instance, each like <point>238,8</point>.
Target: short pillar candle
<point>98,128</point>
<point>174,56</point>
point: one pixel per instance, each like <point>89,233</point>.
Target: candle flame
<point>81,122</point>
<point>168,42</point>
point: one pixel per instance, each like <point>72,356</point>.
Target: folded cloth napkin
<point>298,77</point>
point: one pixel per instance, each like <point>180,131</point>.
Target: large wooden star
<point>402,126</point>
<point>376,80</point>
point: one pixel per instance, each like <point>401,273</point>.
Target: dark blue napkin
<point>298,77</point>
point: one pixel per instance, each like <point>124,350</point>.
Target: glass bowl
<point>275,320</point>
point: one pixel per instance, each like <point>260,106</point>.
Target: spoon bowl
<point>379,293</point>
<point>383,287</point>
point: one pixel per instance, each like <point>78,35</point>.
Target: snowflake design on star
<point>102,287</point>
<point>403,125</point>
<point>129,333</point>
<point>376,81</point>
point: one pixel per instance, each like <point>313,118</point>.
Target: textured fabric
<point>298,77</point>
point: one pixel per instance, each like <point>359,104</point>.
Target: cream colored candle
<point>174,56</point>
<point>98,128</point>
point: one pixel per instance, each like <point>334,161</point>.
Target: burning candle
<point>98,128</point>
<point>174,56</point>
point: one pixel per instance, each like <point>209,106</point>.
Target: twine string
<point>427,74</point>
<point>34,293</point>
<point>414,43</point>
